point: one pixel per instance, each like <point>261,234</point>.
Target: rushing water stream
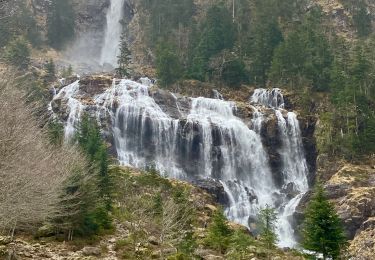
<point>110,49</point>
<point>209,142</point>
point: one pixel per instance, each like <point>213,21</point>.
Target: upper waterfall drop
<point>271,98</point>
<point>111,47</point>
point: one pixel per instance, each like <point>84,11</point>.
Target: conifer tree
<point>362,20</point>
<point>50,71</point>
<point>322,229</point>
<point>89,139</point>
<point>168,66</point>
<point>17,53</point>
<point>267,219</point>
<point>60,23</point>
<point>124,58</point>
<point>219,233</point>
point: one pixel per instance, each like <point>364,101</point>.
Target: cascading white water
<point>75,108</point>
<point>270,98</point>
<point>294,168</point>
<point>144,134</point>
<point>244,172</point>
<point>210,142</point>
<point>111,47</point>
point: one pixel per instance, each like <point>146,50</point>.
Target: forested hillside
<point>290,44</point>
<point>246,122</point>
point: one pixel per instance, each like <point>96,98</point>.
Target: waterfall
<point>69,95</point>
<point>110,49</point>
<point>207,142</point>
<point>294,165</point>
<point>210,143</point>
<point>271,98</point>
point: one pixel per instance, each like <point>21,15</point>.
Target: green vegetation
<point>17,53</point>
<point>17,20</point>
<point>216,34</point>
<point>167,65</point>
<point>267,219</point>
<point>67,72</point>
<point>91,142</point>
<point>362,19</point>
<point>124,58</point>
<point>304,57</point>
<point>86,197</point>
<point>322,229</point>
<point>219,233</point>
<point>272,43</point>
<point>60,23</point>
<point>50,71</point>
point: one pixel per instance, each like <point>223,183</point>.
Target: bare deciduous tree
<point>32,171</point>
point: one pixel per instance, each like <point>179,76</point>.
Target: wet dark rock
<point>167,102</point>
<point>213,187</point>
<point>307,125</point>
<point>290,190</point>
<point>299,213</point>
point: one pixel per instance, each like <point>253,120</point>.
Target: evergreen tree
<point>266,38</point>
<point>55,131</point>
<point>17,53</point>
<point>322,229</point>
<point>168,66</point>
<point>305,56</point>
<point>17,20</point>
<point>67,72</point>
<point>166,19</point>
<point>50,71</point>
<point>60,23</point>
<point>89,139</point>
<point>234,72</point>
<point>267,219</point>
<point>217,34</point>
<point>219,233</point>
<point>362,19</point>
<point>124,58</point>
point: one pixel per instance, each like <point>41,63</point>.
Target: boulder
<point>213,187</point>
<point>4,240</point>
<point>153,240</point>
<point>91,251</point>
<point>203,253</point>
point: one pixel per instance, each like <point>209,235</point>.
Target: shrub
<point>17,53</point>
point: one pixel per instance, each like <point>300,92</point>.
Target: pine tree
<point>17,53</point>
<point>90,141</point>
<point>60,23</point>
<point>50,71</point>
<point>362,20</point>
<point>124,58</point>
<point>168,66</point>
<point>267,219</point>
<point>219,233</point>
<point>322,228</point>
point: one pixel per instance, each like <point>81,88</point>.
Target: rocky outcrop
<point>94,85</point>
<point>215,188</point>
<point>353,192</point>
<point>363,245</point>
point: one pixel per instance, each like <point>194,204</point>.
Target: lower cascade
<point>202,140</point>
